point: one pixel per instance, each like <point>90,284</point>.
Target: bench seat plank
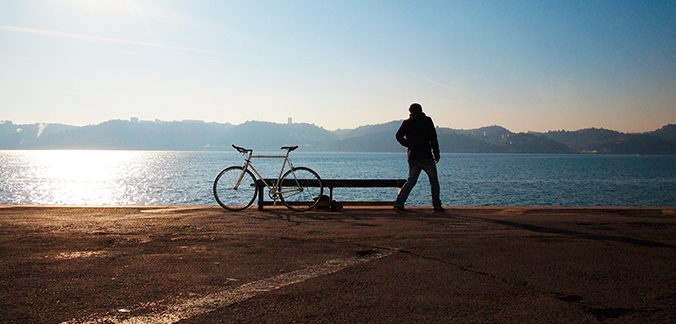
<point>336,183</point>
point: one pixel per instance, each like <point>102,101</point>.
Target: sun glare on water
<point>79,177</point>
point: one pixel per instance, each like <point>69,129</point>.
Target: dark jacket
<point>418,134</point>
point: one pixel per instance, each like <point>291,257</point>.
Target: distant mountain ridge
<point>199,135</point>
<point>595,140</point>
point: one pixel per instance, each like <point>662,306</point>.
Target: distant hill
<point>118,135</point>
<point>491,134</point>
<point>391,127</point>
<point>369,138</point>
<point>160,135</point>
<point>271,136</point>
<point>382,141</point>
<point>450,141</point>
<point>26,136</point>
<point>491,139</point>
<point>198,135</point>
<point>497,139</point>
<point>667,132</point>
<point>594,140</point>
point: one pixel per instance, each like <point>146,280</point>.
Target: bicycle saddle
<point>290,148</point>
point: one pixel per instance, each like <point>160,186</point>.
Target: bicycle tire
<point>295,194</point>
<point>232,198</point>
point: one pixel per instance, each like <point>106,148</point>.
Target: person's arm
<point>434,142</point>
<point>401,135</point>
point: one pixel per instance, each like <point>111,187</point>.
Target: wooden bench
<point>339,183</point>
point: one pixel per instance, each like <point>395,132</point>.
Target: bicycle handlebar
<point>241,149</point>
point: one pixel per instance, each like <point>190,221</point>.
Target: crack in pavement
<point>600,313</point>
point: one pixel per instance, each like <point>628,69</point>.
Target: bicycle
<point>299,188</point>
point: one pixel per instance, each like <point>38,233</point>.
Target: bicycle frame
<point>274,190</point>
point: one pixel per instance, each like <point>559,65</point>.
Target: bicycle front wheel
<point>233,194</point>
<point>300,189</point>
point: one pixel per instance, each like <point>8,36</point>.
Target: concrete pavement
<point>201,264</point>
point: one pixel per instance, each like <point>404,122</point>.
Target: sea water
<point>180,178</point>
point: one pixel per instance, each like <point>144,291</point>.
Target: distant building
<point>290,121</point>
<point>134,119</point>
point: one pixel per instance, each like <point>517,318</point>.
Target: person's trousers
<point>414,168</point>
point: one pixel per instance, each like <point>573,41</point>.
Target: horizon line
<point>131,120</point>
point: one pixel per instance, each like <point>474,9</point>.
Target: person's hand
<point>436,160</point>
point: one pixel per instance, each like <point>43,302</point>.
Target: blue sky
<point>524,65</point>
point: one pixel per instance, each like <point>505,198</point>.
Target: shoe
<point>439,209</point>
<point>399,208</point>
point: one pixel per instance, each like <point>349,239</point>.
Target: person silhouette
<point>418,134</point>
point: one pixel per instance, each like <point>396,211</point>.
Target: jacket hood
<point>417,114</point>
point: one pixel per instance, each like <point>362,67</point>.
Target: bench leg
<point>330,197</point>
<point>261,198</point>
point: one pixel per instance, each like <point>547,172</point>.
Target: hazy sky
<point>522,64</point>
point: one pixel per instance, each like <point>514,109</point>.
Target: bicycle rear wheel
<point>300,189</point>
<point>229,194</point>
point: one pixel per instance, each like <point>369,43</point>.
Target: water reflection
<point>186,178</point>
<point>72,177</point>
